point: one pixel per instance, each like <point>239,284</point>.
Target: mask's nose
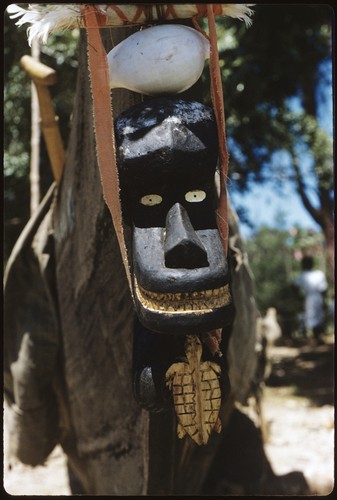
<point>183,247</point>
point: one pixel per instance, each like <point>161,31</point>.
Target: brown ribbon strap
<point>104,129</point>
<point>219,110</point>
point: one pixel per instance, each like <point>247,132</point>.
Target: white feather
<point>45,18</point>
<point>239,11</point>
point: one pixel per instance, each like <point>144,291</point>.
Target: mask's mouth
<point>202,301</point>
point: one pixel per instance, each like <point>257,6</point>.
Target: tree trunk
<point>329,235</point>
<point>322,216</point>
<point>113,446</point>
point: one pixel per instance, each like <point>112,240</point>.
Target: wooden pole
<point>43,77</point>
<point>34,175</point>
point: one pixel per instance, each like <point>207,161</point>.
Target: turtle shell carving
<point>196,393</point>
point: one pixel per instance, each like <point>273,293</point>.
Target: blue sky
<point>264,207</point>
<point>263,204</point>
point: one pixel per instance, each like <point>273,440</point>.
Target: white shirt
<point>313,283</point>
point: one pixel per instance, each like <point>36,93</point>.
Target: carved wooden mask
<point>167,152</point>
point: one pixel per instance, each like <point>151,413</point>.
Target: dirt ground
<point>298,420</point>
<point>298,408</point>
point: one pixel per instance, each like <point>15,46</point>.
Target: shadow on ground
<point>307,369</point>
<point>242,468</point>
<point>298,371</point>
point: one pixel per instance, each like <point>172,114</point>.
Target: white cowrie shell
<point>165,59</point>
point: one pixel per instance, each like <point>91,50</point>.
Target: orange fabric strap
<point>219,110</point>
<point>104,128</point>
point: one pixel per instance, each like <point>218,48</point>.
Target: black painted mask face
<point>167,154</point>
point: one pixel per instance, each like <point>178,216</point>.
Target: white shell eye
<point>151,199</point>
<point>195,196</point>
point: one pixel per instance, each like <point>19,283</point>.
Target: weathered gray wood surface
<point>96,315</point>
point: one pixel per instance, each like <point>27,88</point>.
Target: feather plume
<point>46,18</point>
<point>240,11</point>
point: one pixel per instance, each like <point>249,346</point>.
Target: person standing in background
<point>313,283</point>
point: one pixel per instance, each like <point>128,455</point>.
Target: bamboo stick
<point>43,76</point>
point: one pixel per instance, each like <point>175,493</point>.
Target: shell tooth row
<point>202,301</point>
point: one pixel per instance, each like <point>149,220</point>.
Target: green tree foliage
<point>275,258</point>
<point>264,68</point>
<point>273,75</point>
<point>273,266</point>
<point>61,55</point>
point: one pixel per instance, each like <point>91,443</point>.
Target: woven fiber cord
<point>103,124</point>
